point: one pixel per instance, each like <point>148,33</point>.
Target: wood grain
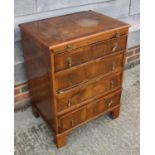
<point>75,66</point>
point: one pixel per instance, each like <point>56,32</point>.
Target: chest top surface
<point>57,30</point>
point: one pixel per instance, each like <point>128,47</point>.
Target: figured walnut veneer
<point>75,68</point>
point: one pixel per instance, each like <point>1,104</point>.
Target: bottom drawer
<point>89,111</point>
<point>73,119</point>
<point>103,104</point>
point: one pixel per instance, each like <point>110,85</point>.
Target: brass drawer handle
<point>114,47</point>
<point>69,102</point>
<point>113,65</point>
<point>69,60</point>
<point>109,104</point>
<point>68,48</point>
<point>72,122</point>
<point>112,84</point>
<point>118,34</point>
<point>60,91</point>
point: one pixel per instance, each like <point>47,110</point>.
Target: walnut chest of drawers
<point>75,68</point>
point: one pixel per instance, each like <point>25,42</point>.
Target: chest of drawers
<point>74,64</point>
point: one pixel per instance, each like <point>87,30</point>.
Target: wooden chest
<point>75,68</point>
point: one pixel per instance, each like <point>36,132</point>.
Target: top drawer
<point>81,55</point>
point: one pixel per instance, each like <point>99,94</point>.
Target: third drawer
<point>95,88</point>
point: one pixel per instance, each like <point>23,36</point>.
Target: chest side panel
<point>38,68</point>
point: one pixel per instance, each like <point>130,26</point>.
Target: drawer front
<point>96,88</point>
<point>103,104</point>
<point>73,119</point>
<point>70,78</point>
<point>89,111</point>
<point>69,47</point>
<point>112,100</point>
<point>95,108</point>
<point>81,55</point>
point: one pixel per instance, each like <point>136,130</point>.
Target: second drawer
<point>73,77</point>
<point>80,94</point>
